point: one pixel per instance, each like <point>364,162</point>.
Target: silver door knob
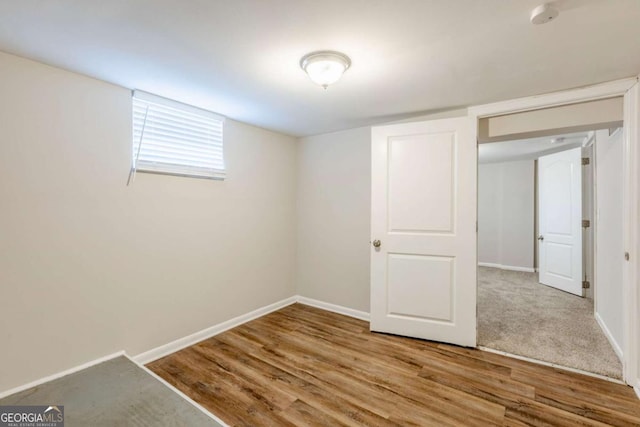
<point>376,243</point>
<point>541,238</point>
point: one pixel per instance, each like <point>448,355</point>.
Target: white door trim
<point>631,92</point>
<point>589,93</point>
<point>631,271</point>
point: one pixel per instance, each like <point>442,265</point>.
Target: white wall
<point>334,210</point>
<point>609,235</point>
<point>506,214</point>
<point>89,266</point>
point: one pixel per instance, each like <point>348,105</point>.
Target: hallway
<point>518,315</point>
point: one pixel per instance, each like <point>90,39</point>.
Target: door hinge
<point>626,256</point>
<point>586,223</point>
<point>586,284</point>
<point>585,161</point>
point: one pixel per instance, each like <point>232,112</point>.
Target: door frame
<point>629,89</point>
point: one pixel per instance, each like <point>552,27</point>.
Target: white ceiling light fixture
<point>325,67</point>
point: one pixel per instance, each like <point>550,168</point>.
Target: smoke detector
<point>543,14</point>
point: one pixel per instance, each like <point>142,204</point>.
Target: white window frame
<point>162,127</point>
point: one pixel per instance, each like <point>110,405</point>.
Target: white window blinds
<point>176,139</point>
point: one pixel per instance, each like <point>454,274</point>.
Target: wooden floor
<point>303,366</point>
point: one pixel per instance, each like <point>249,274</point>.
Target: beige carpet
<point>518,315</point>
<point>115,393</point>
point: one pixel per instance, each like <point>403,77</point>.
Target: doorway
<point>536,249</point>
<point>424,210</point>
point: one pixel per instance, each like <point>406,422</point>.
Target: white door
<point>423,222</point>
<point>560,220</point>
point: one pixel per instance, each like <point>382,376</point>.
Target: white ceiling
<point>528,149</point>
<point>410,57</point>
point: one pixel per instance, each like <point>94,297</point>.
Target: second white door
<point>560,220</point>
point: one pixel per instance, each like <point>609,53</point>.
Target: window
<point>176,139</point>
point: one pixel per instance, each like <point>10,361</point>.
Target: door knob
<point>541,238</point>
<point>376,243</point>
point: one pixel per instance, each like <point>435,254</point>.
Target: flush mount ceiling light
<point>325,67</point>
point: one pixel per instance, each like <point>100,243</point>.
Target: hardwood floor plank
<point>584,408</point>
<point>410,414</point>
<point>326,317</point>
<point>252,404</point>
<point>479,389</point>
<point>471,379</point>
<point>623,403</point>
<point>383,392</point>
<point>302,366</point>
<point>240,342</point>
<point>258,382</point>
<point>363,350</point>
<point>510,422</point>
<point>557,375</point>
<point>575,382</point>
<point>254,370</point>
<point>220,404</point>
<point>537,414</point>
<point>301,414</point>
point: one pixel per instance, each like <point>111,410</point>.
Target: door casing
<point>630,90</point>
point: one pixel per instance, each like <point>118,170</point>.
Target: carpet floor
<point>518,315</point>
<point>113,393</point>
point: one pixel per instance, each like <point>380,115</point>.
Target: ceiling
<point>529,149</point>
<point>410,57</point>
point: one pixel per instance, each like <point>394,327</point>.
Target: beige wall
<point>334,209</point>
<point>506,214</point>
<point>334,214</point>
<point>89,266</point>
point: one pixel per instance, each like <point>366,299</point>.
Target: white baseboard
<point>362,315</point>
<point>636,388</point>
<point>507,267</point>
<point>60,374</point>
<point>178,392</point>
<point>166,349</point>
<point>180,343</point>
<point>612,341</point>
<point>553,365</point>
